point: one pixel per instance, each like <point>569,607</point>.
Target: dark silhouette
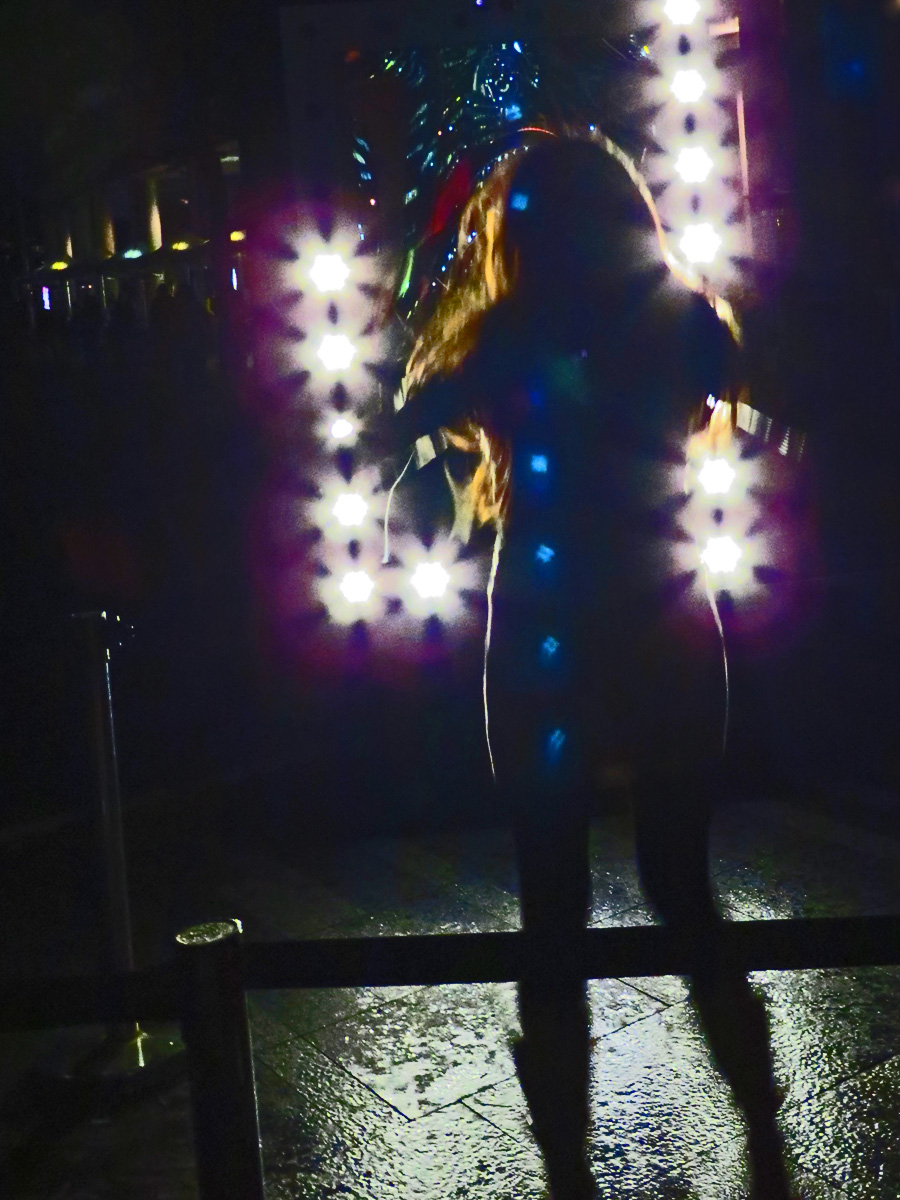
<point>574,364</point>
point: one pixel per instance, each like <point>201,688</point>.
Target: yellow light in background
<point>329,272</point>
<point>336,352</point>
<point>237,235</point>
<point>700,243</point>
<point>721,555</point>
<point>693,164</point>
<point>59,266</point>
<point>688,86</point>
<point>155,227</point>
<point>681,12</point>
<point>179,245</point>
<point>716,476</point>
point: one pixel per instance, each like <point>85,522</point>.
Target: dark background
<point>94,91</point>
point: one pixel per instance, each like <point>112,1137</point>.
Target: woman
<point>569,358</point>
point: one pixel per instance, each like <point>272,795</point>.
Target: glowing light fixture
<point>721,555</point>
<point>336,352</point>
<point>342,430</point>
<point>681,12</point>
<point>700,243</point>
<point>716,476</point>
<point>234,283</point>
<point>329,272</point>
<point>45,297</point>
<point>430,580</point>
<point>539,464</point>
<point>688,86</point>
<point>356,587</point>
<point>544,553</point>
<point>58,266</point>
<point>350,509</point>
<point>237,235</point>
<point>179,246</point>
<point>693,165</point>
<point>132,254</point>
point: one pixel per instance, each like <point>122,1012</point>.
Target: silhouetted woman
<point>571,361</point>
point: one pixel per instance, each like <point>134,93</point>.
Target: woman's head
<point>576,228</point>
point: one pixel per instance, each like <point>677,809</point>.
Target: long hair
<point>483,274</point>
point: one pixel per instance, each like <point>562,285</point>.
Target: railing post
<point>220,1065</point>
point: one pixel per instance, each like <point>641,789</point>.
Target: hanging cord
<point>711,597</point>
<point>495,562</point>
<point>387,509</point>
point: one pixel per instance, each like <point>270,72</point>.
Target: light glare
<point>336,352</point>
<point>700,243</point>
<point>716,476</point>
<point>681,12</point>
<point>329,272</point>
<point>430,580</point>
<point>688,86</point>
<point>356,587</point>
<point>342,429</point>
<point>721,555</point>
<point>350,509</point>
<point>693,165</point>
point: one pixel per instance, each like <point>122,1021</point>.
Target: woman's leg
<point>553,1055</point>
<point>672,819</point>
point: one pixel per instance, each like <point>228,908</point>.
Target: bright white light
<point>356,587</point>
<point>350,509</point>
<point>132,254</point>
<point>430,580</point>
<point>700,243</point>
<point>45,297</point>
<point>681,12</point>
<point>342,430</point>
<point>693,165</point>
<point>716,476</point>
<point>688,86</point>
<point>721,555</point>
<point>336,352</point>
<point>234,278</point>
<point>329,272</point>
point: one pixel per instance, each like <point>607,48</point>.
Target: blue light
<point>513,112</point>
<point>555,743</point>
<point>549,647</point>
<point>539,464</point>
<point>516,46</point>
<point>544,553</point>
<point>518,201</point>
<point>45,297</point>
<point>234,282</point>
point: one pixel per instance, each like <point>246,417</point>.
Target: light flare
<point>688,86</point>
<point>716,476</point>
<point>329,272</point>
<point>721,555</point>
<point>700,243</point>
<point>336,352</point>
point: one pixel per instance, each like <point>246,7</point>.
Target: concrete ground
<point>411,1092</point>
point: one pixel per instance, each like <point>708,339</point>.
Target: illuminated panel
<point>695,125</point>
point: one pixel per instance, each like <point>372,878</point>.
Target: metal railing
<point>205,986</point>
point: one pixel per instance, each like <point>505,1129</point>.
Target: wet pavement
<point>411,1092</point>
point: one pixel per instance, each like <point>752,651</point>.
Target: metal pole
<point>216,1035</point>
<point>109,802</point>
<point>128,1054</point>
